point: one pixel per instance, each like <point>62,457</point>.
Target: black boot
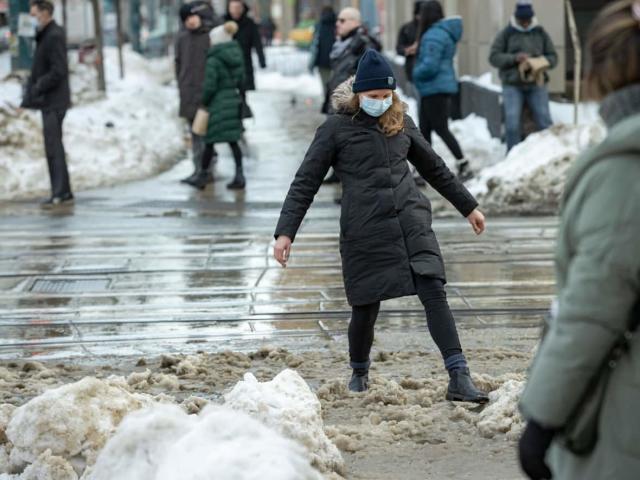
<point>238,182</point>
<point>464,171</point>
<point>199,181</point>
<point>190,178</point>
<point>65,198</point>
<point>359,380</point>
<point>462,389</point>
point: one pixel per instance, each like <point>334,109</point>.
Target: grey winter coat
<point>190,59</point>
<point>535,41</point>
<point>598,271</point>
<point>385,223</point>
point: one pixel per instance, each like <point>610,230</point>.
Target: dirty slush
<point>401,428</point>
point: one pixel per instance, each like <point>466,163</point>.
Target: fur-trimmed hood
<point>342,96</point>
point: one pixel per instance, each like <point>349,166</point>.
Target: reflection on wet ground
<point>154,266</point>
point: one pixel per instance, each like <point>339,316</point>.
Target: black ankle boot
<point>359,380</point>
<point>199,181</point>
<point>462,389</point>
<point>190,178</point>
<point>238,182</point>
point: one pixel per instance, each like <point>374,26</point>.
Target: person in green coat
<point>224,76</point>
<point>598,274</point>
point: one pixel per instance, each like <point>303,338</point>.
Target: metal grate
<point>70,286</point>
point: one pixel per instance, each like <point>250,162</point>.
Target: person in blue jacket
<point>435,78</point>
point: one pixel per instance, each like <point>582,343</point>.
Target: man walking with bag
<point>522,48</point>
<point>48,90</point>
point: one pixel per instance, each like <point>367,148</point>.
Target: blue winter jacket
<point>434,73</point>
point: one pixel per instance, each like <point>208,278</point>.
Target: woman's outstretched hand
<point>476,219</point>
<point>282,249</point>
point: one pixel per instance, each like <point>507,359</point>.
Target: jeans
<point>54,150</point>
<point>434,117</point>
<point>514,97</point>
<point>441,324</point>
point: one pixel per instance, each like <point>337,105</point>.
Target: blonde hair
<point>231,28</point>
<point>614,49</point>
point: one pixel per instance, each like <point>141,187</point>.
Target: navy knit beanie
<point>374,73</point>
<point>186,11</point>
<point>524,10</point>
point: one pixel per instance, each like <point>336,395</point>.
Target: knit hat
<point>223,33</point>
<point>374,73</point>
<point>186,11</point>
<point>524,10</point>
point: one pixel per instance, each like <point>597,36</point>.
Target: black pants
<point>54,150</point>
<point>209,151</point>
<point>441,324</point>
<point>434,117</point>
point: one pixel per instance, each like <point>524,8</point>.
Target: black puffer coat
<point>385,223</point>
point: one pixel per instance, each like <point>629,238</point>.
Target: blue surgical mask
<point>375,108</point>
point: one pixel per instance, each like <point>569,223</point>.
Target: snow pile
<point>287,405</point>
<point>101,430</point>
<point>287,70</point>
<point>49,467</point>
<point>479,147</point>
<point>502,415</point>
<point>73,421</point>
<point>531,178</point>
<point>134,133</point>
<point>164,443</point>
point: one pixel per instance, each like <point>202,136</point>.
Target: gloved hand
<point>533,446</point>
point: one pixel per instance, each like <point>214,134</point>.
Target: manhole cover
<point>70,286</point>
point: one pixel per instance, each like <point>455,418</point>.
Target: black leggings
<point>434,117</point>
<point>209,151</point>
<point>441,324</point>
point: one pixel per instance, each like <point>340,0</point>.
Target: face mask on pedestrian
<point>374,107</point>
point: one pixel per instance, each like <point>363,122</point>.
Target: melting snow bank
<point>271,430</point>
<point>164,443</point>
<point>287,405</point>
<point>133,133</point>
<point>134,426</point>
<point>531,178</point>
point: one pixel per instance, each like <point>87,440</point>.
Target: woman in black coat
<point>387,246</point>
<point>248,37</point>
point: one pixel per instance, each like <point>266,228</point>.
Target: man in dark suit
<point>48,90</point>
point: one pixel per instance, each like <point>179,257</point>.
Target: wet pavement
<point>154,266</point>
